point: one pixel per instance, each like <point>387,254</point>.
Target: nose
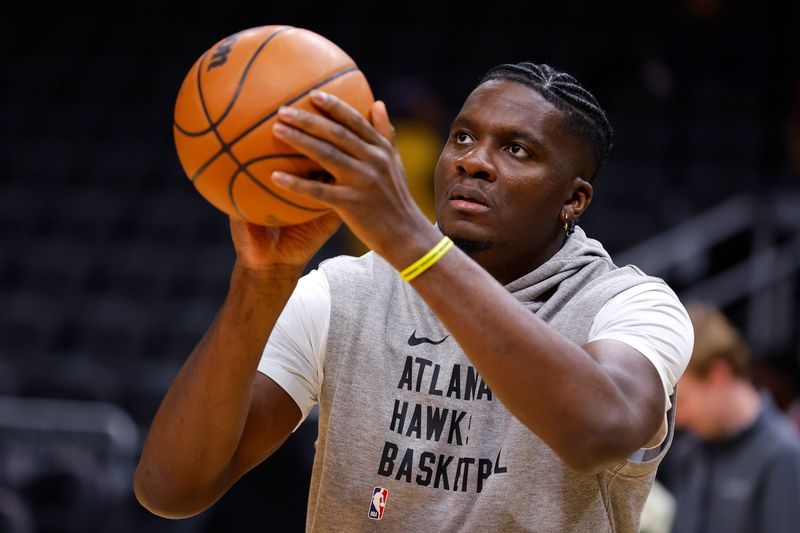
<point>477,164</point>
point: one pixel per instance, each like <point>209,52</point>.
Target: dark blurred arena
<point>112,266</point>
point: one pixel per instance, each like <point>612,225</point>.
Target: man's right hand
<point>263,248</point>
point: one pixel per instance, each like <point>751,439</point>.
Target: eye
<point>517,150</point>
<point>462,137</point>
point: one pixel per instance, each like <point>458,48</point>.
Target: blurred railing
<point>107,433</point>
<point>68,463</point>
<point>746,250</point>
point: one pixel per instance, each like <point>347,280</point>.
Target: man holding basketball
<point>454,383</point>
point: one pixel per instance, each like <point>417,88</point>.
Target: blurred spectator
<point>737,466</point>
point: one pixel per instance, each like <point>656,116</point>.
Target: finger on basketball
<point>345,114</point>
<point>323,128</point>
<point>341,165</point>
<point>322,192</point>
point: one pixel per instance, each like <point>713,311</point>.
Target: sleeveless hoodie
<point>412,439</point>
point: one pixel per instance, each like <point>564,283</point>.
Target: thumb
<point>380,119</point>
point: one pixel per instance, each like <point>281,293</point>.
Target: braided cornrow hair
<point>585,117</point>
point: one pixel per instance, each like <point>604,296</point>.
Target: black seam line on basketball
<point>243,168</point>
<point>274,156</point>
<point>238,87</point>
<point>247,71</point>
<point>230,192</point>
<point>208,117</point>
<point>190,133</point>
<point>211,126</point>
<point>223,146</point>
<point>226,148</point>
<point>206,165</point>
<point>293,100</point>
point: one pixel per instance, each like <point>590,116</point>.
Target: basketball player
<point>520,365</point>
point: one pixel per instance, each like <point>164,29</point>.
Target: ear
<point>579,196</point>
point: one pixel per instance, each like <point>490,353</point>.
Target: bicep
<point>654,336</point>
<point>295,352</point>
<point>650,319</point>
<point>272,417</point>
<point>638,382</point>
<point>290,374</point>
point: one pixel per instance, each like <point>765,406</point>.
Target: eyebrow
<point>506,132</point>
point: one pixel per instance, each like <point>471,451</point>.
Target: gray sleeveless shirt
<point>412,439</point>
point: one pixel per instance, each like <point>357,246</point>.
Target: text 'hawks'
<point>434,421</point>
<point>423,375</point>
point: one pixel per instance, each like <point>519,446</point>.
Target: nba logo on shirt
<point>378,503</point>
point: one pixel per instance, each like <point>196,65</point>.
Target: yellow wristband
<point>427,260</point>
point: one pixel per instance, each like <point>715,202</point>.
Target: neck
<point>742,408</point>
<point>505,265</point>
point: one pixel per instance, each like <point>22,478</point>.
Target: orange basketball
<point>227,106</point>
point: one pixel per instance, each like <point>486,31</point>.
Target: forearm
<point>552,385</point>
<point>198,426</point>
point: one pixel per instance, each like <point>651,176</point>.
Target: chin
<point>463,229</point>
<point>470,247</point>
<point>466,236</point>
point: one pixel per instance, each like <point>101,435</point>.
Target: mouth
<point>468,199</point>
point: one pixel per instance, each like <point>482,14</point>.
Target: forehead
<point>510,104</point>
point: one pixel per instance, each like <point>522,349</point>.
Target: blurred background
<point>112,266</point>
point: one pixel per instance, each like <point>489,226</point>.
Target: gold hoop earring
<point>566,223</point>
